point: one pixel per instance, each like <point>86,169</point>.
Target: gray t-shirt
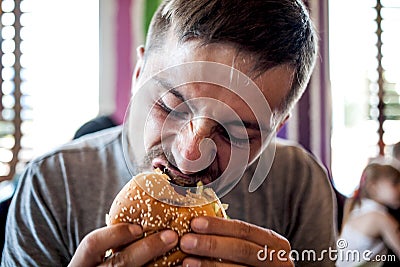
<point>65,194</point>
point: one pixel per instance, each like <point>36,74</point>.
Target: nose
<point>194,149</point>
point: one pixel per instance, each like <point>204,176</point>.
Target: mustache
<point>206,175</point>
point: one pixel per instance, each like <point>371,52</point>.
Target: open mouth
<point>179,178</point>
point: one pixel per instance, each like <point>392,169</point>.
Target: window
<point>49,76</point>
<point>364,64</point>
<point>15,108</point>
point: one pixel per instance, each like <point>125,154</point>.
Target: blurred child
<point>368,229</point>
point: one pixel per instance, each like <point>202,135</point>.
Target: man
<point>191,118</point>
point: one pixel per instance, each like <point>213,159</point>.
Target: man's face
<point>195,130</point>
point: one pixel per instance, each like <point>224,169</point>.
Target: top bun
<point>149,200</point>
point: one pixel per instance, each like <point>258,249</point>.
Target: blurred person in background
<point>396,151</point>
<point>394,212</point>
<point>367,224</point>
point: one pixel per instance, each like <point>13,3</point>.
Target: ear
<point>139,63</point>
<point>283,122</point>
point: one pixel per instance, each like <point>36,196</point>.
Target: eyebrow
<point>250,125</point>
<point>171,89</point>
<point>168,86</point>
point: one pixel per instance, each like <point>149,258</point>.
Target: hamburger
<point>149,200</point>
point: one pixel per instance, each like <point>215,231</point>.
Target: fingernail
<point>188,242</point>
<point>189,262</point>
<point>168,237</point>
<point>199,223</point>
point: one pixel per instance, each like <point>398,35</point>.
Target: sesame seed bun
<point>139,202</point>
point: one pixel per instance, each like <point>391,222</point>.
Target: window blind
<point>385,91</point>
<point>15,108</point>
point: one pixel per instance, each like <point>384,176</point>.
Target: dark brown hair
<point>371,174</point>
<point>374,172</point>
<point>273,32</point>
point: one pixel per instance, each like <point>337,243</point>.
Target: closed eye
<point>241,142</point>
<point>172,111</point>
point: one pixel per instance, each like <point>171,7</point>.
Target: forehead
<point>274,84</point>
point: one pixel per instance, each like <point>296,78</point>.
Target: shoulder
<point>90,143</point>
<point>96,157</point>
<point>375,223</point>
<point>295,162</point>
<point>299,178</point>
<point>93,163</point>
<point>305,195</point>
<point>302,180</point>
<point>295,152</point>
<point>384,219</point>
<point>98,149</point>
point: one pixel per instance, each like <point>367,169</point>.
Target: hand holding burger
<point>142,230</point>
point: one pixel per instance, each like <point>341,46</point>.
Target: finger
<point>91,250</point>
<point>226,248</point>
<point>144,250</point>
<point>197,262</point>
<point>240,230</point>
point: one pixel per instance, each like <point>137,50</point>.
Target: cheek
<point>224,156</point>
<point>153,130</point>
<point>396,195</point>
<point>391,195</point>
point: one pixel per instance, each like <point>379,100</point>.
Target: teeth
<point>165,170</point>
